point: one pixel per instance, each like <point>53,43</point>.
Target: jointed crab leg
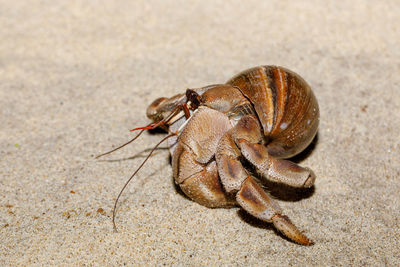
<point>277,170</point>
<point>258,203</point>
<point>194,168</point>
<point>250,196</point>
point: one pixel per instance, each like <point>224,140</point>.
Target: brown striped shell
<point>285,105</point>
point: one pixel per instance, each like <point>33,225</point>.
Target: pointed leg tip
<point>300,239</point>
<point>310,243</point>
<point>287,228</point>
<point>305,241</point>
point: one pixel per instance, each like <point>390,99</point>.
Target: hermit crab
<point>260,117</point>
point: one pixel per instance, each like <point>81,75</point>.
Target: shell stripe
<point>282,96</point>
<point>271,85</point>
<point>269,96</point>
<point>277,97</point>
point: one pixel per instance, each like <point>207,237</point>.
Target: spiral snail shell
<point>285,105</point>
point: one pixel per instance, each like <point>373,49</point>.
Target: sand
<point>75,76</point>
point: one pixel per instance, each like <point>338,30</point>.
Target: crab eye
<point>193,97</point>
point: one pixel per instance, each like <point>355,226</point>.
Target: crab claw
<point>287,228</point>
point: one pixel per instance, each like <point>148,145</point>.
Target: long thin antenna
<point>130,178</point>
<point>121,146</point>
<point>151,126</point>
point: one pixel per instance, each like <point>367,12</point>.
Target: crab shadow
<point>307,151</point>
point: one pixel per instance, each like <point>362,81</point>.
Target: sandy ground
<point>75,76</point>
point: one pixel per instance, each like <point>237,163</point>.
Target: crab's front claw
<point>287,228</point>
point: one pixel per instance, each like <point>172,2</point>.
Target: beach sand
<point>75,76</point>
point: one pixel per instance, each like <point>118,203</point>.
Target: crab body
<point>262,115</point>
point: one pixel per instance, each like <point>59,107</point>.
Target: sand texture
<point>75,76</point>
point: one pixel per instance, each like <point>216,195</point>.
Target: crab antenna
<point>151,126</point>
<point>173,113</point>
<point>121,146</point>
<point>130,178</point>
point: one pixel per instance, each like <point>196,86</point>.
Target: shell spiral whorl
<point>285,105</point>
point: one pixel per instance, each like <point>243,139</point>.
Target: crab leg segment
<point>194,168</point>
<point>258,203</point>
<point>200,182</point>
<point>249,195</point>
<point>277,170</point>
